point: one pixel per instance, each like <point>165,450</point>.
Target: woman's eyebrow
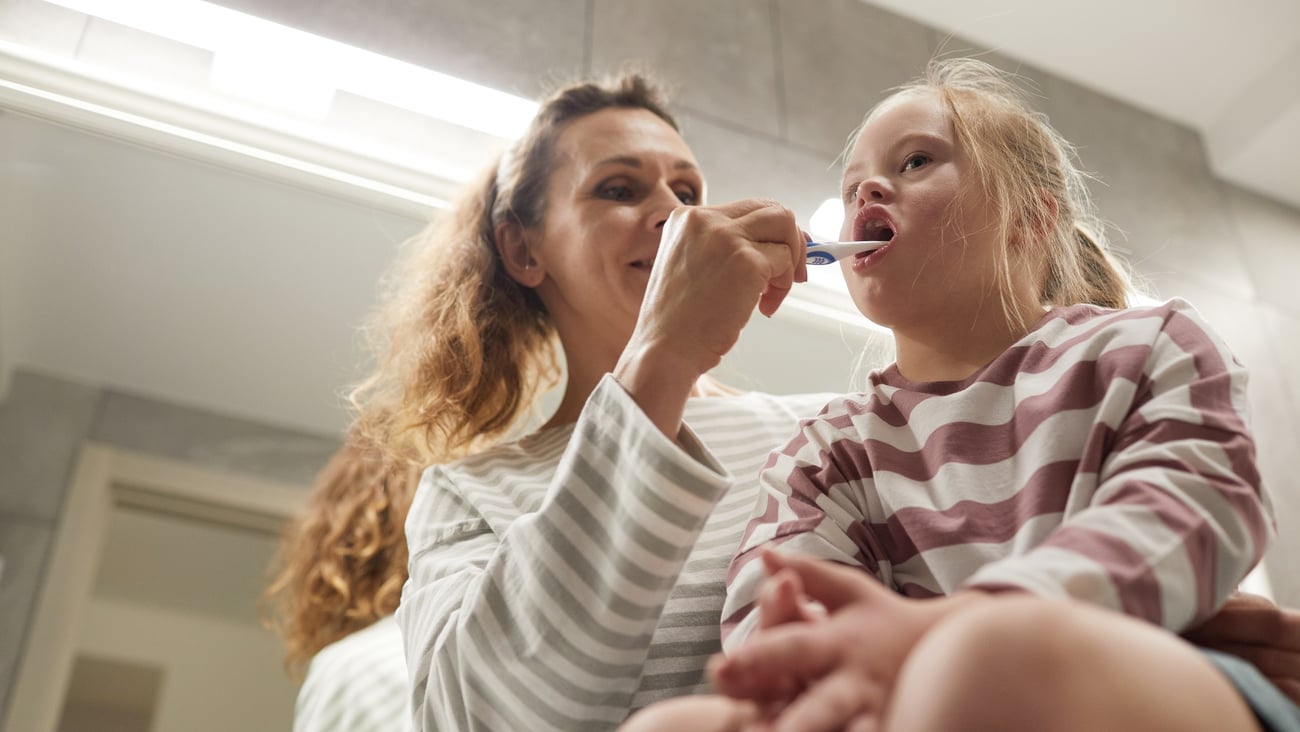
<point>632,161</point>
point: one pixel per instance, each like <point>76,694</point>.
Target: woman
<point>562,580</point>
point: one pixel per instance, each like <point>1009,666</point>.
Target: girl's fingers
<point>774,663</point>
<point>778,600</point>
<point>865,722</point>
<point>833,585</point>
<point>830,704</point>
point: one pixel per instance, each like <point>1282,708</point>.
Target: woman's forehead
<point>621,133</point>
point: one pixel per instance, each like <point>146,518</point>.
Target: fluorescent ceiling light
<point>244,42</point>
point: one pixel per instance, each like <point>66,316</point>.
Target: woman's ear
<point>517,255</point>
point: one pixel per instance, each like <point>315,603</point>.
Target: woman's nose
<point>661,203</point>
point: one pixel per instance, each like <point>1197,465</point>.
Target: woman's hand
<point>1253,628</point>
<point>834,672</point>
<point>715,264</point>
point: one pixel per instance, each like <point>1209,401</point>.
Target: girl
<point>1035,441</point>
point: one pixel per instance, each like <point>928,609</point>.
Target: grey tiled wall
<point>43,423</point>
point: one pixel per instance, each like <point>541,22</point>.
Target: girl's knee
<point>1026,663</point>
<point>703,713</point>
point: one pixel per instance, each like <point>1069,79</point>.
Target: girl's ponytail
<point>1104,282</point>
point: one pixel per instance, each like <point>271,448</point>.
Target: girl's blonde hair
<point>1043,215</point>
<point>462,350</point>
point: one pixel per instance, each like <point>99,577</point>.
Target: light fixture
<point>244,43</point>
<point>268,99</point>
<point>826,220</point>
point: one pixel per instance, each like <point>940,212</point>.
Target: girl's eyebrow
<point>925,139</point>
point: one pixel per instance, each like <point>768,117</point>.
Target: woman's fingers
<point>1246,618</point>
<point>1272,662</point>
<point>1288,686</point>
<point>1256,630</point>
<point>715,265</point>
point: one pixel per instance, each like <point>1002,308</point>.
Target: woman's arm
<point>548,625</point>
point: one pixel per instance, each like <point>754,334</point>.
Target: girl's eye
<point>851,192</point>
<point>688,197</point>
<point>915,161</point>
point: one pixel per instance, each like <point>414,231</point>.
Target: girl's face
<point>619,173</point>
<point>903,182</point>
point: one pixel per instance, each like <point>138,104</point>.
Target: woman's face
<point>902,183</point>
<point>619,173</point>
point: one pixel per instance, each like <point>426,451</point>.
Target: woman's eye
<point>617,192</point>
<point>688,197</point>
<point>915,161</point>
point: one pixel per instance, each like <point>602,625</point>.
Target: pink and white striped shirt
<point>1105,457</point>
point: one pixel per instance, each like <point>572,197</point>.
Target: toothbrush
<point>829,252</point>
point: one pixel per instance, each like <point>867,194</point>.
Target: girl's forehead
<point>904,113</point>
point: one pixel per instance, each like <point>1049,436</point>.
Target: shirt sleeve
<point>796,512</point>
<point>1179,515</point>
<point>547,625</point>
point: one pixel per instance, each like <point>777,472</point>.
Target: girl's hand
<point>835,672</point>
<point>1253,628</point>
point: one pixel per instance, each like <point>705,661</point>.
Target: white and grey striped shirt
<point>565,580</point>
<point>356,684</point>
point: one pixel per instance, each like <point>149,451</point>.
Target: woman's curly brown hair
<point>342,562</point>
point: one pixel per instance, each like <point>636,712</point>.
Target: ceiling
<point>166,304</point>
<point>1228,70</point>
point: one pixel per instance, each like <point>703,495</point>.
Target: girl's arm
<point>547,626</point>
<point>795,512</point>
<point>1178,517</point>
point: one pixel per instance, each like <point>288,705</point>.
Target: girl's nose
<point>874,190</point>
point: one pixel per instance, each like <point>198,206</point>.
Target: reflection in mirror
<point>173,619</point>
<point>111,694</point>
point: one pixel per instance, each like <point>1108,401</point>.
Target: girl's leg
<point>694,713</point>
<point>1037,665</point>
